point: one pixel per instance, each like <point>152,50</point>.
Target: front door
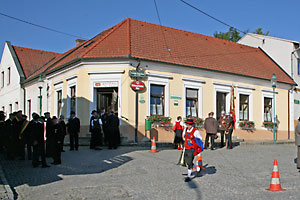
<point>107,98</point>
<point>221,103</point>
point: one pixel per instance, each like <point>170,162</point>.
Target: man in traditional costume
<point>193,147</point>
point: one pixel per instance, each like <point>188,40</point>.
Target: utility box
<point>147,125</point>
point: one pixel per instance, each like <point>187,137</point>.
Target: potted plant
<point>247,125</point>
<point>198,121</point>
<point>157,120</point>
<point>269,125</point>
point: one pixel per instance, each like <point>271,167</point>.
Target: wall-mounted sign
<point>106,84</point>
<point>142,101</point>
<point>134,74</point>
<point>296,101</point>
<point>175,102</point>
<point>137,85</point>
<point>175,97</point>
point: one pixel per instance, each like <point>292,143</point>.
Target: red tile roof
<point>31,59</point>
<point>159,43</point>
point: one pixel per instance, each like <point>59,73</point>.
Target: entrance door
<point>107,98</point>
<point>221,103</point>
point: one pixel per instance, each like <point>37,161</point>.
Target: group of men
<point>42,136</point>
<point>224,126</point>
<point>104,128</point>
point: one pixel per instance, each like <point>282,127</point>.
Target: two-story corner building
<point>188,74</point>
<point>17,64</point>
<point>286,54</point>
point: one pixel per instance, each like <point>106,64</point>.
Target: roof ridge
<point>43,51</point>
<point>115,27</point>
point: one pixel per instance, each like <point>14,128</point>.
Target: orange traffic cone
<point>275,184</point>
<point>153,146</point>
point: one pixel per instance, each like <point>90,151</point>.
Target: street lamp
<point>273,83</point>
<point>40,81</point>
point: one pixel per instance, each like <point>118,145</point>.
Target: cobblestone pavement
<point>133,173</point>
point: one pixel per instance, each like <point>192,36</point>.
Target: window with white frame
<point>244,107</point>
<point>157,99</point>
<point>10,108</point>
<point>267,109</point>
<point>191,105</point>
<point>16,105</point>
<point>59,102</point>
<point>73,98</point>
<point>8,75</point>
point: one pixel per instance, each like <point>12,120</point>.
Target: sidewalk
<point>5,190</point>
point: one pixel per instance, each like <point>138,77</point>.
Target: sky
<point>87,18</point>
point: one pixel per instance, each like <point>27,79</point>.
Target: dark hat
<point>94,111</point>
<point>72,113</point>
<point>46,113</point>
<point>54,117</point>
<point>189,121</point>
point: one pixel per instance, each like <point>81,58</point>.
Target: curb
<point>268,142</point>
<point>9,191</point>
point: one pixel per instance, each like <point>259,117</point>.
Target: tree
<point>231,35</point>
<point>259,31</point>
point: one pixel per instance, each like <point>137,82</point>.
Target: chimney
<point>79,41</point>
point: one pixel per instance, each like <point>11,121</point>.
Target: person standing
<point>178,128</point>
<point>56,141</point>
<point>19,125</point>
<point>113,131</point>
<point>62,123</point>
<point>211,127</point>
<point>229,129</point>
<point>297,142</point>
<point>96,139</point>
<point>38,141</point>
<point>2,130</point>
<point>9,135</point>
<point>94,113</point>
<point>73,127</point>
<point>49,133</point>
<point>193,147</point>
<point>104,117</point>
<point>222,127</point>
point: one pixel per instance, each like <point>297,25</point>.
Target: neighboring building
<point>286,54</point>
<point>17,64</point>
<point>187,74</point>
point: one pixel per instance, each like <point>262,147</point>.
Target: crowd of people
<point>44,136</point>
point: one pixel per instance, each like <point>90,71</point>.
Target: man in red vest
<point>193,147</point>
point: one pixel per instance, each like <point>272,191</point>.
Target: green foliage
<point>160,119</point>
<point>259,31</point>
<point>232,35</point>
<point>269,125</point>
<point>247,124</point>
<point>198,121</point>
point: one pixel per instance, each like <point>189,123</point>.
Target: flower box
<point>269,125</point>
<point>247,125</point>
<point>157,120</point>
<point>198,122</point>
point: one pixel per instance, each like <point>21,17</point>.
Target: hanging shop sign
<point>136,74</point>
<point>106,84</point>
<point>137,85</point>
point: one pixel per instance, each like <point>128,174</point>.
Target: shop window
<point>59,102</point>
<point>244,107</point>
<point>191,102</point>
<point>73,98</point>
<point>157,99</point>
<point>267,109</point>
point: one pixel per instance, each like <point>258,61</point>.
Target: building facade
<point>286,54</point>
<point>187,74</point>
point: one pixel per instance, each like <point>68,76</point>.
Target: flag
<point>232,106</point>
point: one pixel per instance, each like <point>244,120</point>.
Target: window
<point>16,105</point>
<point>73,98</point>
<point>29,108</point>
<point>244,107</point>
<point>157,99</point>
<point>8,76</point>
<point>191,102</point>
<point>59,102</point>
<point>40,103</point>
<point>10,108</point>
<point>267,109</point>
<point>2,79</point>
<point>3,108</point>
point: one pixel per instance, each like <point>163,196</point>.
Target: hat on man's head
<point>46,113</point>
<point>189,121</point>
<point>94,111</point>
<point>72,113</point>
<point>54,117</point>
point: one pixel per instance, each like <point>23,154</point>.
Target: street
<point>133,173</point>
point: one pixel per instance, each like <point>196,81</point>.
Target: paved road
<point>133,173</point>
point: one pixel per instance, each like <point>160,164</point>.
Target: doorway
<point>107,98</point>
<point>221,103</point>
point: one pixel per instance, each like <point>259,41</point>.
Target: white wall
<point>12,93</point>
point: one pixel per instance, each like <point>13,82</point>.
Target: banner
<point>232,105</point>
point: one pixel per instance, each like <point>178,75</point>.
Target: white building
<point>17,64</point>
<point>286,54</point>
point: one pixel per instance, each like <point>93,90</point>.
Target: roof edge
<point>16,61</point>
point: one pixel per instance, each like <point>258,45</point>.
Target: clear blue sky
<point>87,18</point>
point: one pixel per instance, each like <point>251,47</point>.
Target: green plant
<point>161,119</point>
<point>247,124</point>
<point>198,121</point>
<point>269,125</point>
